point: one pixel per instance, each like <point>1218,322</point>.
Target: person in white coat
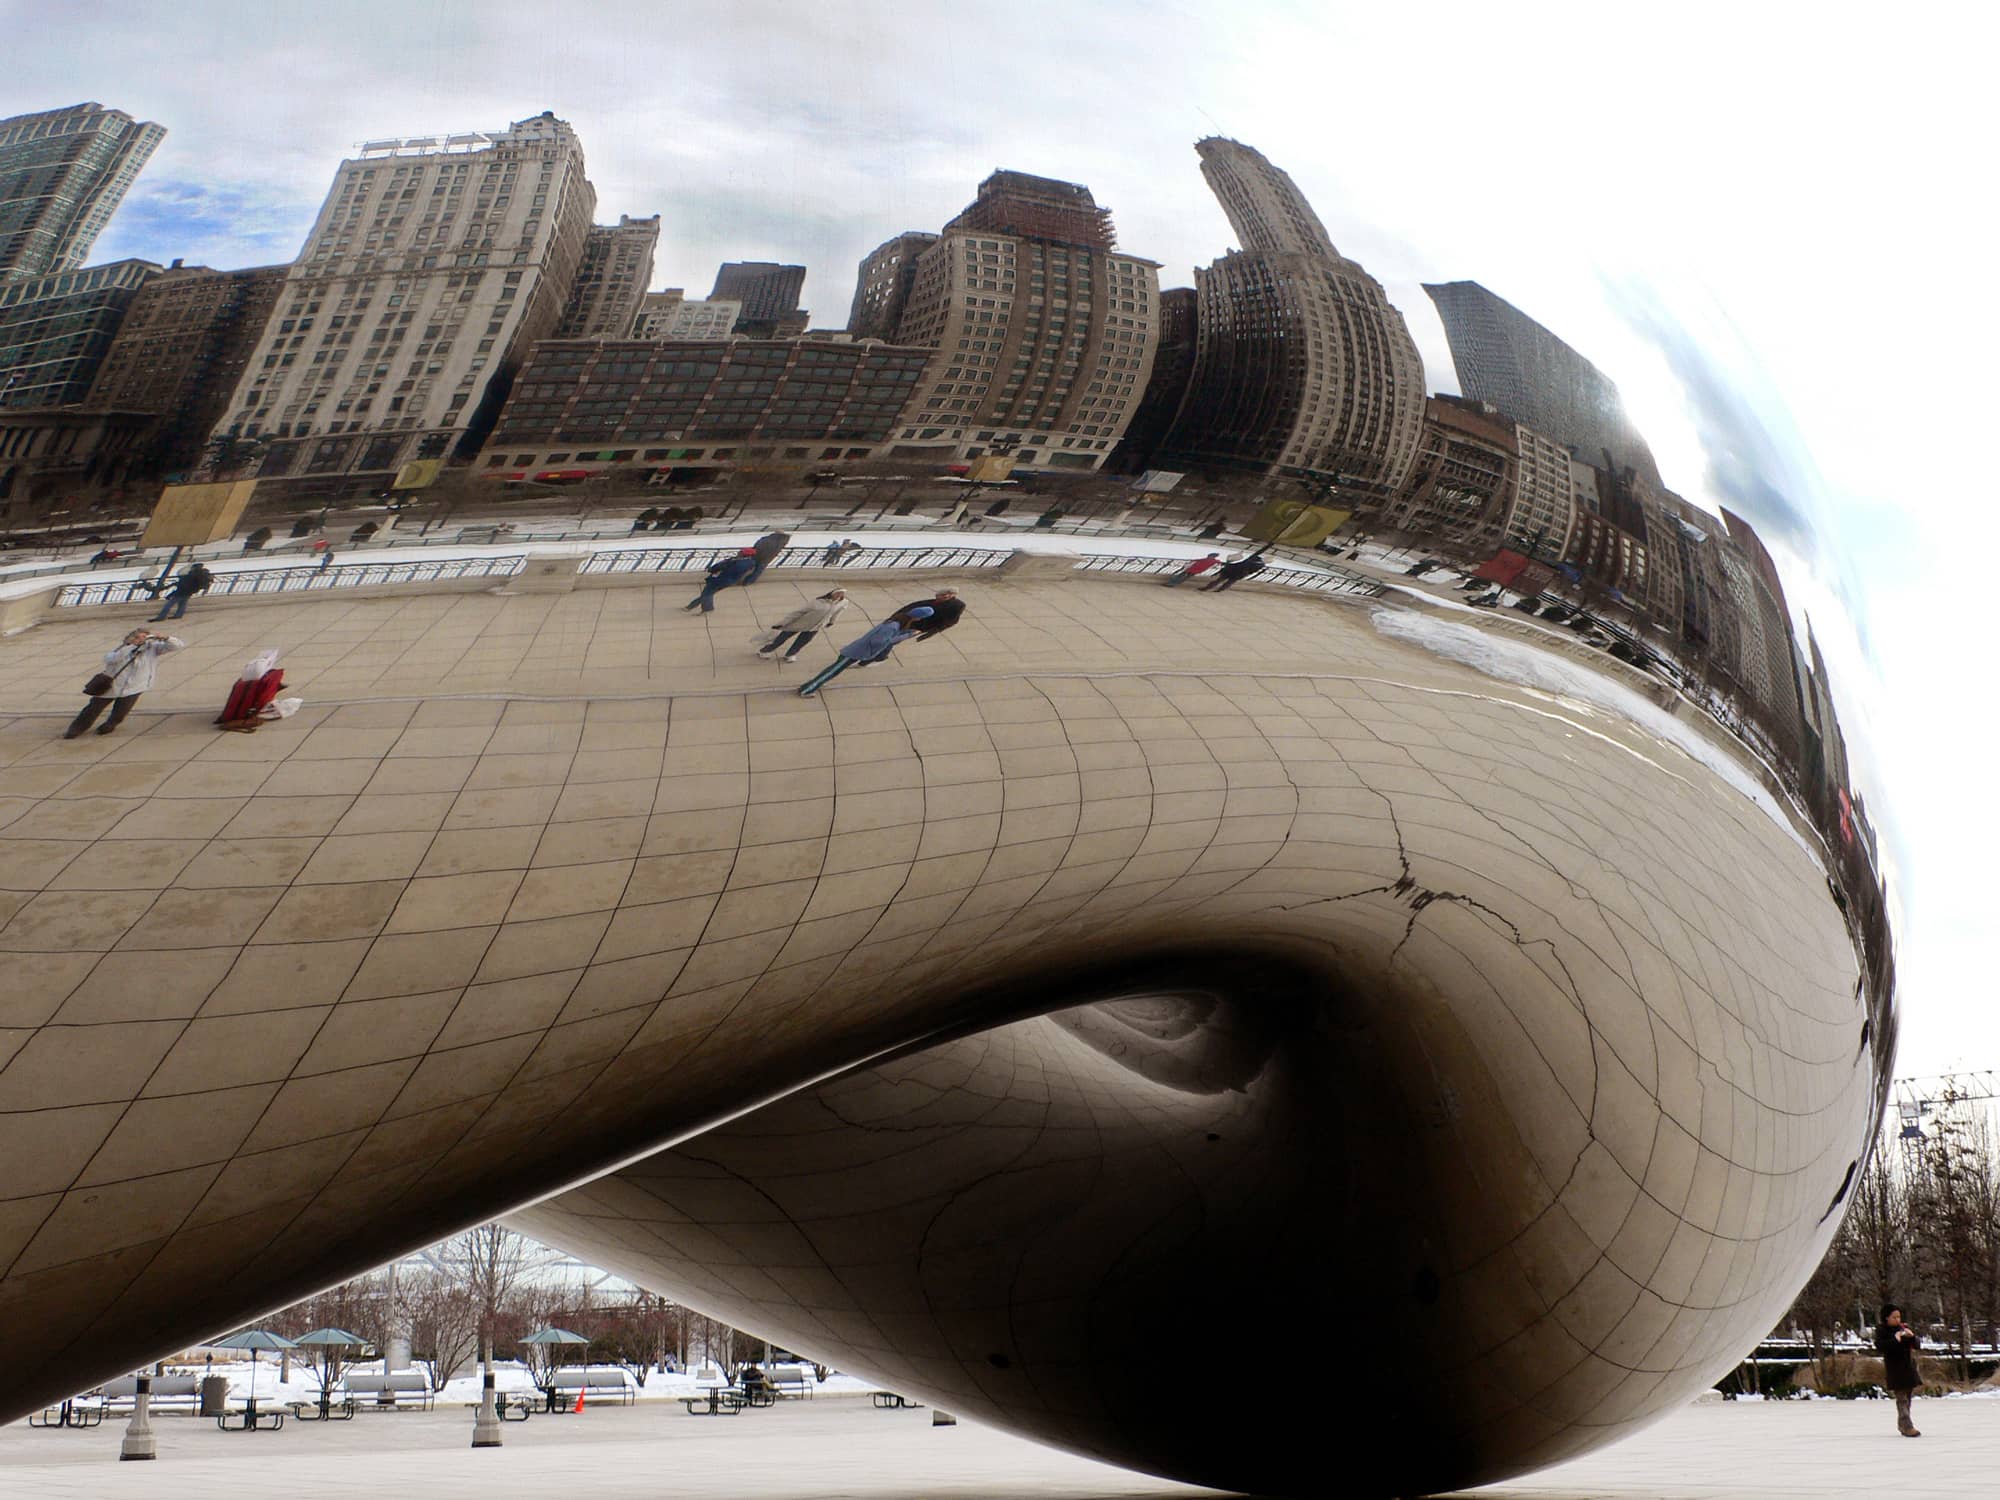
<point>129,666</point>
<point>803,623</point>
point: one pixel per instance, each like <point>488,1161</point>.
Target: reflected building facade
<point>63,173</point>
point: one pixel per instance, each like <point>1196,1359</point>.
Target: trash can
<point>214,1395</point>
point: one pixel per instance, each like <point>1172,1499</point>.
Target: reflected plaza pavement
<point>1124,971</point>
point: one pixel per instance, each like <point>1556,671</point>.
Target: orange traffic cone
<point>579,1401</point>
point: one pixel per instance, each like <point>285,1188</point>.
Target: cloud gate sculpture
<point>1504,1043</point>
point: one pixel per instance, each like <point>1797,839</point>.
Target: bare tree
<point>1952,1179</point>
<point>443,1318</point>
<point>488,1262</point>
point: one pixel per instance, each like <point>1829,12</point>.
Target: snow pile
<point>1529,666</point>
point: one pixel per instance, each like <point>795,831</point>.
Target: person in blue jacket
<point>868,649</point>
<point>724,573</point>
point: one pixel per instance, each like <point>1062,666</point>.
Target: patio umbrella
<point>329,1340</point>
<point>255,1339</point>
<point>552,1339</point>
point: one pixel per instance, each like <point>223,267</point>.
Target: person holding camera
<point>1898,1344</point>
<point>128,672</point>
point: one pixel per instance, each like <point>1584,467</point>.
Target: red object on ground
<point>248,699</point>
<point>579,1401</point>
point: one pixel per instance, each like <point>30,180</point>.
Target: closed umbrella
<point>330,1341</point>
<point>255,1340</point>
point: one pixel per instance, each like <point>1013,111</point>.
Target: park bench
<point>171,1393</point>
<point>595,1383</point>
<point>791,1380</point>
<point>398,1390</point>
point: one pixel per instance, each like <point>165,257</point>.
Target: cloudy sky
<point>1764,221</point>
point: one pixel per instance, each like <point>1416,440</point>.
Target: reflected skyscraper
<point>1505,357</point>
<point>63,173</point>
<point>1302,367</point>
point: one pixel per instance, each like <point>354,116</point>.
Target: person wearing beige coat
<point>803,623</point>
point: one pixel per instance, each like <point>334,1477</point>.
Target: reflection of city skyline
<point>442,266</point>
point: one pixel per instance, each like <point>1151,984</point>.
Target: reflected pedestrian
<point>724,573</point>
<point>1234,572</point>
<point>196,580</point>
<point>128,672</point>
<point>1898,1344</point>
<point>1194,569</point>
<point>803,623</point>
<point>766,549</point>
<point>876,645</point>
<point>946,609</point>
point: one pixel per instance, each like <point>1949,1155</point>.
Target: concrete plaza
<point>844,1449</point>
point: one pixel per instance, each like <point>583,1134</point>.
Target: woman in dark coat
<point>1898,1343</point>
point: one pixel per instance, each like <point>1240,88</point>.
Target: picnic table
<point>249,1419</point>
<point>891,1401</point>
<point>723,1401</point>
<point>76,1412</point>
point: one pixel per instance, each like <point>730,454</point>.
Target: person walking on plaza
<point>724,573</point>
<point>868,649</point>
<point>837,553</point>
<point>196,580</point>
<point>1194,569</point>
<point>1234,572</point>
<point>128,672</point>
<point>766,549</point>
<point>1898,1344</point>
<point>946,609</point>
<point>803,623</point>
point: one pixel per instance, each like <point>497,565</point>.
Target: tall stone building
<point>62,174</point>
<point>55,330</point>
<point>1303,369</point>
<point>1504,356</point>
<point>611,283</point>
<point>1544,510</point>
<point>769,293</point>
<point>435,263</point>
<point>882,289</point>
<point>180,353</point>
<point>654,309</point>
<point>1044,335</point>
<point>699,318</point>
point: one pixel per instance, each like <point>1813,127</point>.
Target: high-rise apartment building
<point>611,283</point>
<point>1504,356</point>
<point>435,263</point>
<point>1043,343</point>
<point>1303,368</point>
<point>700,318</point>
<point>55,330</point>
<point>882,289</point>
<point>180,353</point>
<point>62,174</point>
<point>654,309</point>
<point>769,293</point>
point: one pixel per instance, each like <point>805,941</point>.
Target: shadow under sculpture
<point>1407,1076</point>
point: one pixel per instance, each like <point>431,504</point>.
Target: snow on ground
<point>1517,662</point>
<point>462,1389</point>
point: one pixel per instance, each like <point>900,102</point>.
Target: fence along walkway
<point>311,577</point>
<point>288,580</point>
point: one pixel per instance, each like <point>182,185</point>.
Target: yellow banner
<point>189,515</point>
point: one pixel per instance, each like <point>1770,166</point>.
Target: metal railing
<point>311,578</point>
<point>1331,581</point>
<point>698,559</point>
